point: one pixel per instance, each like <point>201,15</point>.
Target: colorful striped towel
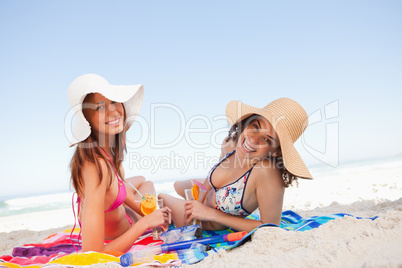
<point>57,248</point>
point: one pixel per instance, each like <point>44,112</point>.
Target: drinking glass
<point>156,231</point>
<point>189,196</point>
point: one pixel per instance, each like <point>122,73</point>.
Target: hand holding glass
<point>158,230</point>
<point>189,196</point>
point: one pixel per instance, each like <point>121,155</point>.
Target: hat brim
<point>237,111</point>
<point>131,96</point>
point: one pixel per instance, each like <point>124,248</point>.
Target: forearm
<point>126,240</point>
<point>234,222</point>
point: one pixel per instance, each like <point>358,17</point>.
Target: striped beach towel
<point>57,248</point>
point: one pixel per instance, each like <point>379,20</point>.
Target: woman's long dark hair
<point>88,150</point>
<point>238,128</point>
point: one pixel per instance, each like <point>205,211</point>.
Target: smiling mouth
<point>114,122</point>
<point>247,147</point>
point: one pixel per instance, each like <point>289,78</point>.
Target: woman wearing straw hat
<point>258,161</point>
<point>107,208</point>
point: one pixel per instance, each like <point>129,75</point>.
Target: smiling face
<point>106,117</point>
<point>258,141</point>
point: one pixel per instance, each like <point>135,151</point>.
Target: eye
<point>256,126</point>
<point>99,107</point>
<point>268,141</point>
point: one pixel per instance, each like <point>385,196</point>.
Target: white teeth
<point>247,148</point>
<point>113,122</point>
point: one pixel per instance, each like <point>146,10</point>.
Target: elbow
<point>251,227</point>
<point>91,245</point>
<point>254,224</point>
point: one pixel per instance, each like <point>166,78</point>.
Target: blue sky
<point>194,57</point>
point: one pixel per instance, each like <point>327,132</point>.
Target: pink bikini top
<point>122,194</point>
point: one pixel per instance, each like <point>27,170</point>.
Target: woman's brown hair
<point>234,133</point>
<point>89,150</point>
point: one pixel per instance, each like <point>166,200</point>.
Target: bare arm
<point>197,210</point>
<point>93,216</point>
<point>126,240</point>
<point>269,191</point>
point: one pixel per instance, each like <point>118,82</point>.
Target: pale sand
<point>41,225</point>
<point>346,242</point>
<point>366,191</point>
<point>18,238</point>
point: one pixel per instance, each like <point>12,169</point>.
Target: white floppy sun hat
<point>289,120</point>
<point>130,96</point>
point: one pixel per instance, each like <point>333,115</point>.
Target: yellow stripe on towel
<point>87,258</point>
<point>164,258</point>
<point>10,265</point>
<point>76,230</point>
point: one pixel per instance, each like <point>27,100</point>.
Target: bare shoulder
<point>267,173</point>
<point>90,172</point>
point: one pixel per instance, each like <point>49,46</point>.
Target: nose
<point>256,139</point>
<point>253,137</point>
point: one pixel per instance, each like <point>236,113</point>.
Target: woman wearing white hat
<point>258,162</point>
<point>107,209</point>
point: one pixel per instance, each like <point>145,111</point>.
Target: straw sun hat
<point>130,95</point>
<point>288,119</point>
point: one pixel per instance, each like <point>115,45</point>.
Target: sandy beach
<point>346,242</point>
<point>360,190</point>
<point>340,60</point>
